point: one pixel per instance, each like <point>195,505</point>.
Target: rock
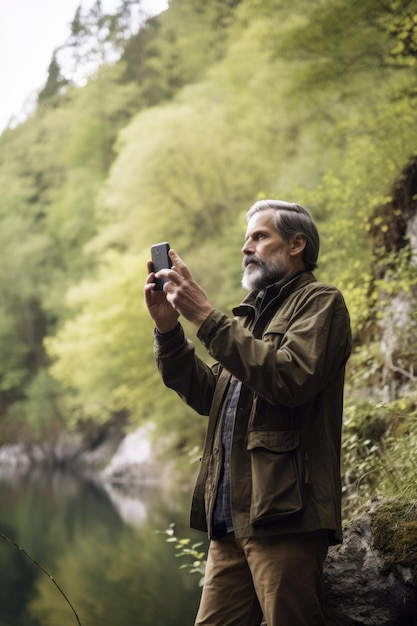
<point>134,460</point>
<point>393,228</point>
<point>14,459</point>
<point>362,586</point>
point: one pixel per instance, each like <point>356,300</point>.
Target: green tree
<point>55,82</point>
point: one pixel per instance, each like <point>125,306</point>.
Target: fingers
<point>175,275</point>
<point>171,276</point>
<point>165,273</point>
<point>179,265</point>
<point>151,276</point>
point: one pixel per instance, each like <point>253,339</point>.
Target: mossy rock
<point>394,529</point>
<point>370,579</point>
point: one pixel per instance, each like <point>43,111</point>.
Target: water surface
<point>101,547</point>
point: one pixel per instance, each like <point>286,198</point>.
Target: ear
<point>297,244</point>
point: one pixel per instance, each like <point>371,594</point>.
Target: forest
<point>175,129</point>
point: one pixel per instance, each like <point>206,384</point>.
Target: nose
<point>247,247</point>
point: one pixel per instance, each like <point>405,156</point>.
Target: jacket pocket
<point>275,331</point>
<point>278,475</point>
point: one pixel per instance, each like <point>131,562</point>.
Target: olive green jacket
<point>285,459</point>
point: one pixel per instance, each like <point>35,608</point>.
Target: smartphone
<point>160,261</point>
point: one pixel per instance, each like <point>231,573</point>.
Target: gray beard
<point>255,279</point>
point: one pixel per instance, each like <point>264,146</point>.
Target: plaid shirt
<point>222,514</point>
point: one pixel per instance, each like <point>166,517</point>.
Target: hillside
<point>210,107</point>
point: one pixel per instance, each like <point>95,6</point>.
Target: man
<point>268,491</point>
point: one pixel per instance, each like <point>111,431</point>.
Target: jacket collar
<point>276,292</point>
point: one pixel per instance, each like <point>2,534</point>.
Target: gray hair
<point>291,218</point>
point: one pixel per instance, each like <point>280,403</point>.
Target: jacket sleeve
<point>296,358</point>
<point>184,372</point>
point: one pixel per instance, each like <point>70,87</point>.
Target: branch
<point>44,571</point>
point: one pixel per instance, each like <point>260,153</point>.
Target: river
<point>105,549</point>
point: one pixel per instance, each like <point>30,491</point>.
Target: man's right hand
<point>164,315</point>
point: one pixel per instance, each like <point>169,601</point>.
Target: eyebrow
<point>258,231</point>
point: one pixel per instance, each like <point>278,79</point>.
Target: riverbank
<point>117,459</point>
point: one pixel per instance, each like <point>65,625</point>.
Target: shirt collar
<point>265,295</point>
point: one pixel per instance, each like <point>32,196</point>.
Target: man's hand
<point>182,293</point>
<point>165,317</point>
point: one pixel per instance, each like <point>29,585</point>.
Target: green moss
<point>394,528</point>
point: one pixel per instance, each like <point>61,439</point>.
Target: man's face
<point>266,255</point>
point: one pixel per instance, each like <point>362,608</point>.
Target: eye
<point>256,236</point>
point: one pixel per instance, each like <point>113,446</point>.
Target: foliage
<point>379,451</point>
<point>185,548</point>
<point>178,47</point>
<point>55,84</point>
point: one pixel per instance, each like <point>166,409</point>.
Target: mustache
<point>253,258</point>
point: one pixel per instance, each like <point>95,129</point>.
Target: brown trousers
<point>278,577</point>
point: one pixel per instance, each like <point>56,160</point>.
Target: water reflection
<point>102,549</point>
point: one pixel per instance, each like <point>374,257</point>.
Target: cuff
<point>210,326</point>
<point>166,343</point>
<point>165,336</point>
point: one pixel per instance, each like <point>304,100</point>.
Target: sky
<point>30,30</point>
